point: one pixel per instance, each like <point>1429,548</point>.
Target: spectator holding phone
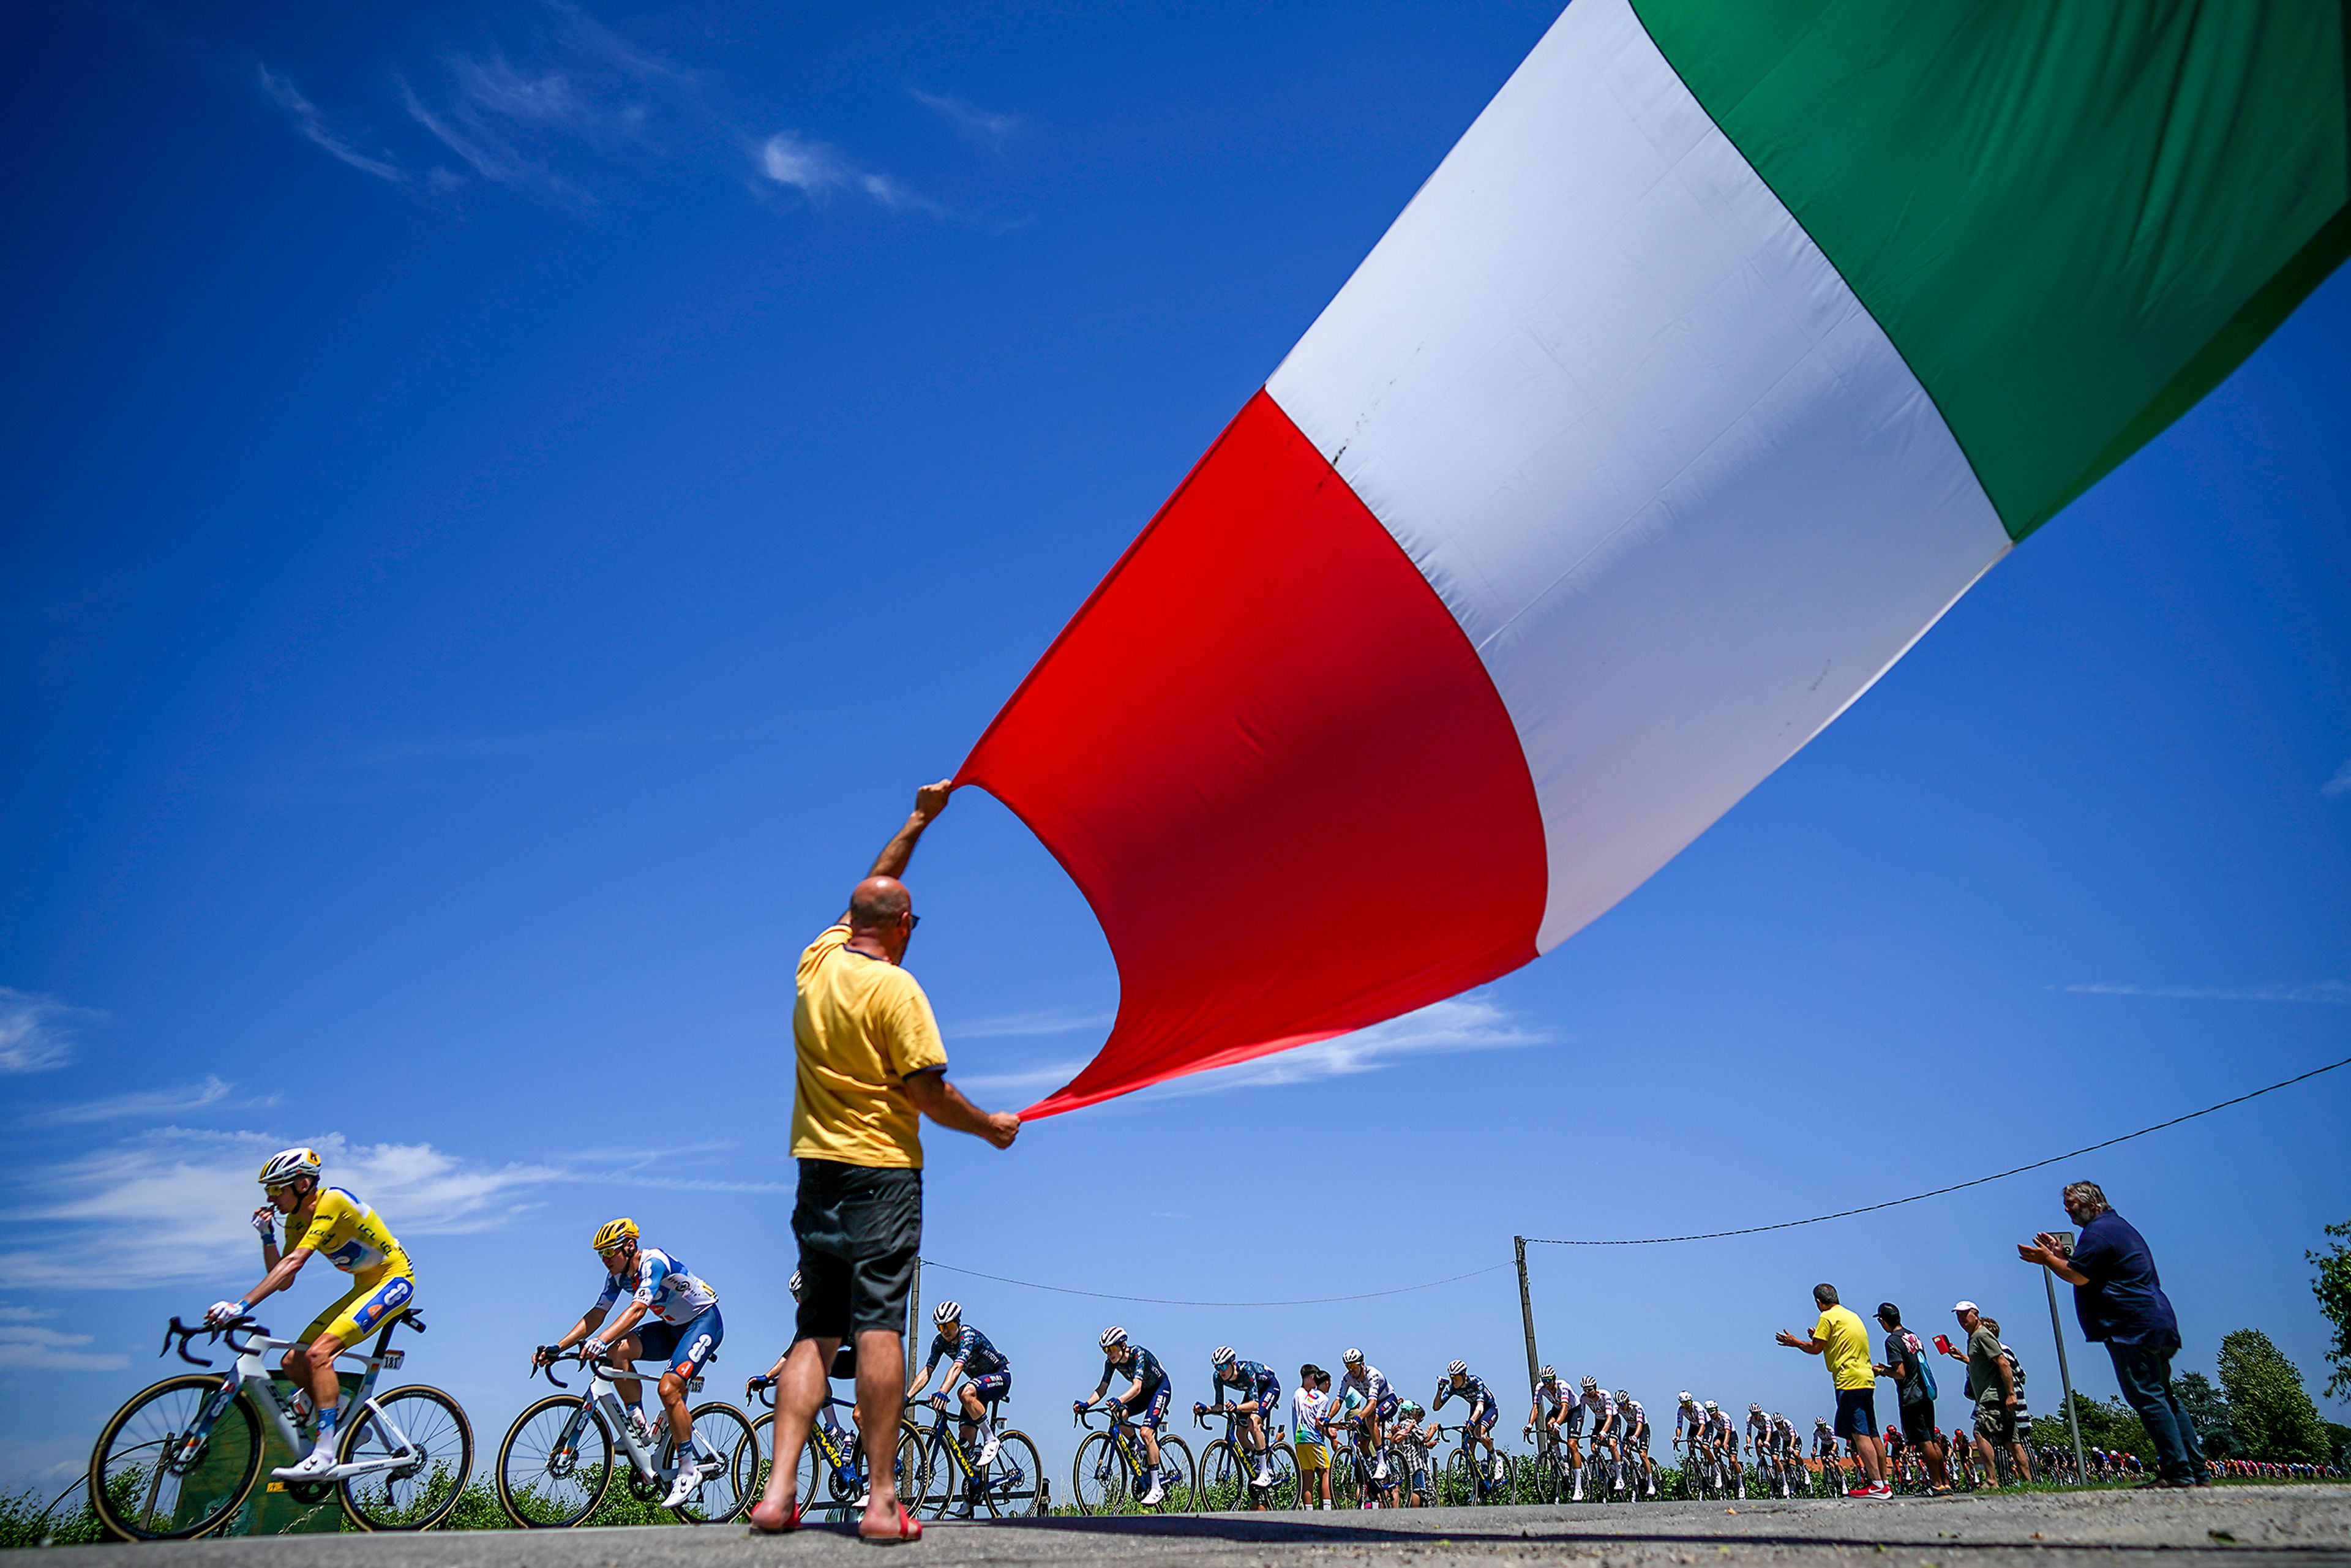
<point>2119,1299</point>
<point>1991,1383</point>
<point>1914,1382</point>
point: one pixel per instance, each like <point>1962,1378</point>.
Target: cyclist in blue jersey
<point>1145,1403</point>
<point>986,1373</point>
<point>1260,1395</point>
<point>1477,1426</point>
<point>1379,1406</point>
<point>680,1324</point>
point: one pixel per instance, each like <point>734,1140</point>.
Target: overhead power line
<point>1955,1186</point>
<point>1649,1240</point>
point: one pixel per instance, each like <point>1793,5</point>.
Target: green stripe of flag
<point>2072,219</point>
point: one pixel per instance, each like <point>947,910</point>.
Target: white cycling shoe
<point>310,1467</point>
<point>690,1477</point>
<point>987,1451</point>
<point>1264,1477</point>
<point>1158,1491</point>
<point>1380,1470</point>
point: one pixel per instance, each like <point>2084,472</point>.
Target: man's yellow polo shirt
<point>858,1027</point>
<point>1848,1348</point>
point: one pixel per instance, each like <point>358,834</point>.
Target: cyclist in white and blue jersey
<point>680,1324</point>
<point>984,1372</point>
<point>1478,1427</point>
<point>1551,1404</point>
<point>1380,1405</point>
<point>1145,1403</point>
<point>1260,1395</point>
<point>1599,1411</point>
<point>1634,1421</point>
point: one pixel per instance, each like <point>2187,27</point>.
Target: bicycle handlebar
<point>553,1356</point>
<point>228,1330</point>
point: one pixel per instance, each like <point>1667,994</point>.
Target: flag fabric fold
<point>1729,347</point>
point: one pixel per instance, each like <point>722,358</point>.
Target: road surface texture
<point>2279,1526</point>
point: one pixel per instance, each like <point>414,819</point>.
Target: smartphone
<point>1943,1343</point>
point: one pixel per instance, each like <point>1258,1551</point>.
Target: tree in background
<point>2269,1410</point>
<point>2208,1410</point>
<point>2332,1286</point>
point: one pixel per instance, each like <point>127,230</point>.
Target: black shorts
<point>1919,1423</point>
<point>859,1227</point>
<point>1572,1423</point>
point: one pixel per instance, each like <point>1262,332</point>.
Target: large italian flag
<point>1734,341</point>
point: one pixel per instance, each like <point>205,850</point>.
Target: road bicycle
<point>1547,1471</point>
<point>1469,1473</point>
<point>1111,1475</point>
<point>181,1457</point>
<point>556,1462</point>
<point>944,1472</point>
<point>830,1483</point>
<point>1228,1465</point>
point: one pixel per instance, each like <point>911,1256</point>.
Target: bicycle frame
<point>941,1440</point>
<point>252,1371</point>
<point>603,1403</point>
<point>1123,1442</point>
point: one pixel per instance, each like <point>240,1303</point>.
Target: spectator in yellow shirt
<point>868,1058</point>
<point>1841,1340</point>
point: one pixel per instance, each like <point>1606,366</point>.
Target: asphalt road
<point>2279,1526</point>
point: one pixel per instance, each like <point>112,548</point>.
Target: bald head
<point>879,903</point>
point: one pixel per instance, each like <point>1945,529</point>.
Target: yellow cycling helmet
<point>613,1232</point>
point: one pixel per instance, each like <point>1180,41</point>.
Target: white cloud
<point>2327,993</point>
<point>49,1350</point>
<point>213,1092</point>
<point>37,1032</point>
<point>1462,1023</point>
<point>817,170</point>
<point>979,124</point>
<point>320,133</point>
<point>1021,1026</point>
<point>171,1204</point>
<point>2340,784</point>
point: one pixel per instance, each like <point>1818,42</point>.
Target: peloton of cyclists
<point>1144,1404</point>
<point>1636,1423</point>
<point>977,1375</point>
<point>681,1325</point>
<point>1477,1426</point>
<point>1261,1392</point>
<point>355,1240</point>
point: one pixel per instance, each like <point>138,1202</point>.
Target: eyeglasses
<point>912,920</point>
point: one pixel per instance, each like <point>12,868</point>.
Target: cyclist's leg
<point>376,1300</point>
<point>689,1348</point>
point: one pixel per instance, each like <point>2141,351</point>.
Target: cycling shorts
<point>1638,1436</point>
<point>686,1346</point>
<point>1605,1426</point>
<point>1572,1423</point>
<point>1153,1411</point>
<point>1481,1416</point>
<point>991,1386</point>
<point>1268,1394</point>
<point>373,1302</point>
<point>1388,1406</point>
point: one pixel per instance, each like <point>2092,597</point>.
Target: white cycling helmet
<point>1546,1375</point>
<point>1622,1397</point>
<point>795,1287</point>
<point>1820,1420</point>
<point>1684,1396</point>
<point>1591,1382</point>
<point>282,1166</point>
<point>1712,1406</point>
<point>1457,1369</point>
<point>1113,1337</point>
<point>948,1312</point>
<point>1222,1356</point>
<point>1352,1358</point>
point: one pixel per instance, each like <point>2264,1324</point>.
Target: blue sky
<point>508,501</point>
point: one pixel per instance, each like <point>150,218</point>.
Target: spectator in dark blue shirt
<point>2120,1301</point>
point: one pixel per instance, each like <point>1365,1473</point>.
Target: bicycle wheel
<point>1180,1476</point>
<point>149,1481</point>
<point>1013,1485</point>
<point>1222,1482</point>
<point>1098,1478</point>
<point>555,1463</point>
<point>1284,1463</point>
<point>718,1499</point>
<point>427,1433</point>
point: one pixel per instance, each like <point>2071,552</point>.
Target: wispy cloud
<point>37,1033</point>
<point>1462,1023</point>
<point>1021,1026</point>
<point>984,126</point>
<point>819,171</point>
<point>321,132</point>
<point>51,1350</point>
<point>2325,993</point>
<point>212,1094</point>
<point>2340,784</point>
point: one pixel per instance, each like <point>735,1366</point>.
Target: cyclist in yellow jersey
<point>331,1222</point>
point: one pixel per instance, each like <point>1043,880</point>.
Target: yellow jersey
<point>351,1236</point>
<point>861,1025</point>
